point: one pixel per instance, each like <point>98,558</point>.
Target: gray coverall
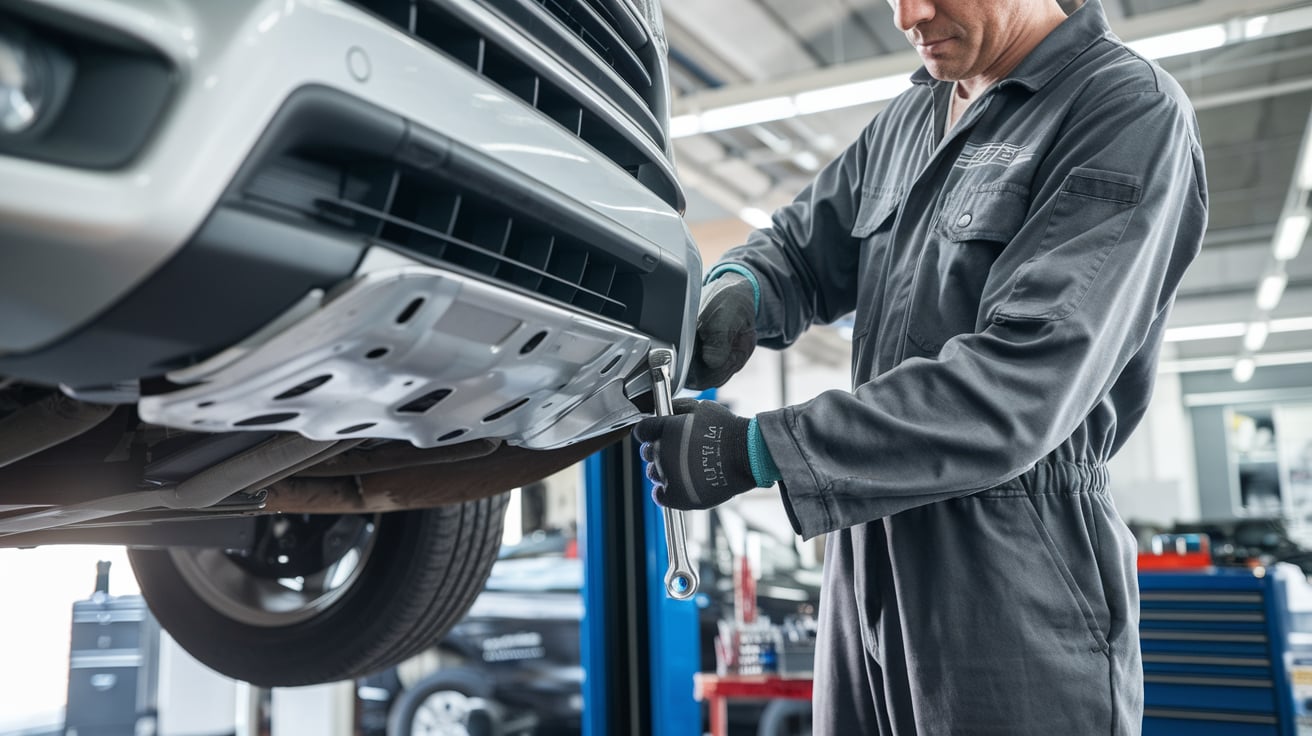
<point>1010,283</point>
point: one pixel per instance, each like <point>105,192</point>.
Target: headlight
<point>28,80</point>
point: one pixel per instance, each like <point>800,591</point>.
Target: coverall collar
<point>1066,42</point>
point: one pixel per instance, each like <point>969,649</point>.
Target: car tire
<point>417,576</point>
<point>452,701</point>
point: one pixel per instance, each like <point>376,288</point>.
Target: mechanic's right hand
<point>726,331</point>
<point>698,457</point>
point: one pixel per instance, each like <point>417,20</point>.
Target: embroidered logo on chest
<point>975,155</point>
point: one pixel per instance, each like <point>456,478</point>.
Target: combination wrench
<point>681,579</point>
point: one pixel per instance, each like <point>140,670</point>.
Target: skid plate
<point>421,354</point>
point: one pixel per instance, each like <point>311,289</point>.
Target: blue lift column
<point>640,648</point>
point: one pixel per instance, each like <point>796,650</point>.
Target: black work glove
<point>726,331</point>
<point>697,458</point>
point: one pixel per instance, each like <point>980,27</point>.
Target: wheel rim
<point>233,590</point>
<point>449,713</point>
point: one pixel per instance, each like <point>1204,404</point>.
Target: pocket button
<point>964,220</point>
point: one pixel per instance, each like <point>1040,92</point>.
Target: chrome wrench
<point>681,579</point>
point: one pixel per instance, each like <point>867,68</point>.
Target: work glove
<point>726,331</point>
<point>698,457</point>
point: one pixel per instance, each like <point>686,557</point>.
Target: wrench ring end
<point>680,585</point>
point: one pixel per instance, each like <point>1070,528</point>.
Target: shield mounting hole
<point>264,419</point>
<point>356,428</point>
<point>410,310</point>
<point>451,435</point>
<point>425,402</point>
<point>503,411</point>
<point>611,364</point>
<point>376,353</point>
<point>304,387</point>
<point>533,343</point>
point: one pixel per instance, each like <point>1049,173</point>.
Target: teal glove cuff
<point>764,471</point>
<point>743,271</point>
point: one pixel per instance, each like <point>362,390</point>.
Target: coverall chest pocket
<point>875,212</point>
<point>969,234</point>
<point>1086,219</point>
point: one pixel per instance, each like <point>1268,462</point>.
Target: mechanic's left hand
<point>696,458</point>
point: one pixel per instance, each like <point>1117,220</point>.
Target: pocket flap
<point>995,214</point>
<point>878,206</point>
<point>1100,184</point>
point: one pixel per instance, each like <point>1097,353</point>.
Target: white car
<point>272,268</point>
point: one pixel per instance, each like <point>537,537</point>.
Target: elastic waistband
<point>1051,476</point>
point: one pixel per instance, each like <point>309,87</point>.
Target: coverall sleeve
<point>805,263</point>
<point>1118,212</point>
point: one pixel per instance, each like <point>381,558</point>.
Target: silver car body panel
<point>75,241</point>
<point>478,360</point>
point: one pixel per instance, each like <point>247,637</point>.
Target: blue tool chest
<point>1221,653</point>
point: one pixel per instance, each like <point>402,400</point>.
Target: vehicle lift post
<point>640,648</point>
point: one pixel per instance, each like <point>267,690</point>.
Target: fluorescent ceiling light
<point>1225,330</point>
<point>1203,332</point>
<point>1195,365</point>
<point>1255,27</point>
<point>1244,369</point>
<point>807,161</point>
<point>851,95</point>
<point>1290,235</point>
<point>1199,365</point>
<point>757,218</point>
<point>1255,338</point>
<point>1270,291</point>
<point>779,108</point>
<point>748,113</point>
<point>682,126</point>
<point>1191,41</point>
<point>1291,324</point>
<point>1296,357</point>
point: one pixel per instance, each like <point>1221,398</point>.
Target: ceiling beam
<point>700,25</point>
<point>694,174</point>
<point>1251,94</point>
<point>789,31</point>
<point>1204,12</point>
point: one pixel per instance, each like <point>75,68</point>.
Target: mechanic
<point>1010,233</point>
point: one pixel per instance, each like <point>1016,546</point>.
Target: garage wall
<point>1207,395</point>
<point>1153,476</point>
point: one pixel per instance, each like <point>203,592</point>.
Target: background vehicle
<point>293,290</point>
<point>512,665</point>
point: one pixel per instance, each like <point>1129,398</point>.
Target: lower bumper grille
<point>484,239</point>
<point>330,176</point>
<point>332,164</point>
<point>439,222</point>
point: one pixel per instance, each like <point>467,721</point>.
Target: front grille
<point>609,63</point>
<point>600,34</point>
<point>439,222</point>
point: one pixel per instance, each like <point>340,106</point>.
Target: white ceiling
<point>1253,100</point>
